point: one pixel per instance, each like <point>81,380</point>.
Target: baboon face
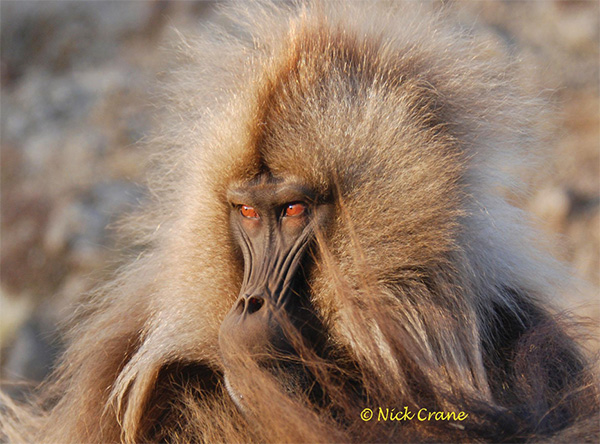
<point>273,222</point>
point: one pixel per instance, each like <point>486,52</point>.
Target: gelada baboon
<point>328,236</point>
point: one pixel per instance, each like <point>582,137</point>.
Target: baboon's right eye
<point>249,212</point>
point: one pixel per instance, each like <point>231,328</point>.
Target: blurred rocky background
<point>78,81</point>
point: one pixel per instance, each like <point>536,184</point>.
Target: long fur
<point>428,283</point>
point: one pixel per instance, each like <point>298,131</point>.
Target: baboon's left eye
<point>295,209</point>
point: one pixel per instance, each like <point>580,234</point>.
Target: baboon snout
<point>251,329</point>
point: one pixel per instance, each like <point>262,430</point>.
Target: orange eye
<point>295,209</point>
<point>248,212</point>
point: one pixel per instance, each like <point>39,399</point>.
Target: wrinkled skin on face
<point>274,222</point>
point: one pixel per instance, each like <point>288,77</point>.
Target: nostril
<point>239,307</point>
<point>254,304</point>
